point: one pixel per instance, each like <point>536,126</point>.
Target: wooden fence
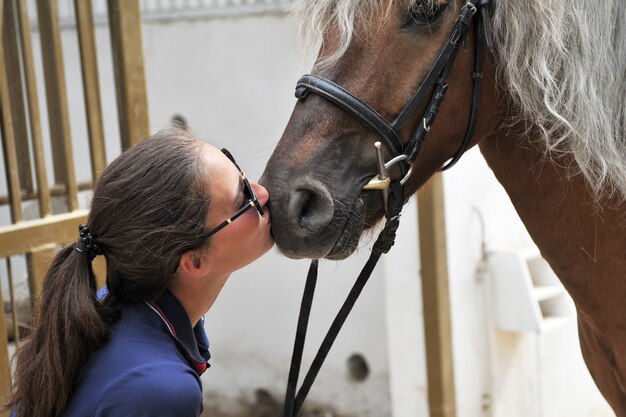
<point>23,150</point>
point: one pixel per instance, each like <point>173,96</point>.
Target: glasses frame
<point>248,192</point>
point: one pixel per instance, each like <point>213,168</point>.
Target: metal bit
<point>382,180</point>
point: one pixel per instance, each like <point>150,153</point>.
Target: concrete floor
<point>264,405</point>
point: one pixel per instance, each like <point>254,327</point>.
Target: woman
<point>173,217</point>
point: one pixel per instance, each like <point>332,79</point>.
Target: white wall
<point>233,79</point>
<point>502,373</point>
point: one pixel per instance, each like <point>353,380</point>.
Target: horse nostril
<point>305,204</point>
<point>311,207</point>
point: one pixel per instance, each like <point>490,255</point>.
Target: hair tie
<point>91,249</point>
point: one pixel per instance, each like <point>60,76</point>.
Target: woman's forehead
<point>214,158</point>
<point>222,172</point>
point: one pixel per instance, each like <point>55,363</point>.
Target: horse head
<point>326,156</point>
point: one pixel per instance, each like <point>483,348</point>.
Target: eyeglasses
<point>249,194</point>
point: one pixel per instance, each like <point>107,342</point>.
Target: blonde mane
<point>563,63</point>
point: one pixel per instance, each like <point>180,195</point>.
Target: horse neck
<point>583,240</point>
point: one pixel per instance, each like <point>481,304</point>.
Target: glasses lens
<point>249,193</point>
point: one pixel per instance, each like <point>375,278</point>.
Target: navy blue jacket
<point>150,366</point>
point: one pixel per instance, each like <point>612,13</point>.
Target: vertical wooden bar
<point>8,138</point>
<point>16,94</point>
<point>84,19</point>
<point>56,95</point>
<point>100,269</point>
<point>43,191</point>
<point>16,209</point>
<point>16,328</point>
<point>37,263</point>
<point>5,364</point>
<point>126,43</point>
<point>436,299</point>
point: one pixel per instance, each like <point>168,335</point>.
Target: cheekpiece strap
<point>90,248</point>
<point>387,236</point>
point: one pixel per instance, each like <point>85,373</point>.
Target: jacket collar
<point>191,341</point>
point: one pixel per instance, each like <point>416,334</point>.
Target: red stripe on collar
<point>163,317</point>
<point>199,367</point>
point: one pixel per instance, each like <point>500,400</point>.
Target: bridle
<point>437,77</point>
<point>403,154</point>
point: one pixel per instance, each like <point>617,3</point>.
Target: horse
<point>550,121</point>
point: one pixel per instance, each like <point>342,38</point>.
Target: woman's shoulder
<point>166,388</point>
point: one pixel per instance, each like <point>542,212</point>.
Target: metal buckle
<point>471,6</point>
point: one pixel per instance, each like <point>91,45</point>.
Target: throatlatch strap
<point>383,243</point>
<point>483,36</point>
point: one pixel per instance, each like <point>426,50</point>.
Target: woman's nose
<point>261,192</point>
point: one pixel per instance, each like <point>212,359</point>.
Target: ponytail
<point>69,324</point>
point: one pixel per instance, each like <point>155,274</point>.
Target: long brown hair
<point>149,206</point>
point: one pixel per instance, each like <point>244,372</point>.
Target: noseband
<point>437,77</point>
<point>403,154</point>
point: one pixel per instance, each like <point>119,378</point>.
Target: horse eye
<point>424,12</point>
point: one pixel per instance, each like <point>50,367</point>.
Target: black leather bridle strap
<point>439,93</point>
<point>333,331</point>
<point>298,346</point>
<point>356,107</point>
<point>445,56</point>
<point>383,244</point>
<point>483,36</point>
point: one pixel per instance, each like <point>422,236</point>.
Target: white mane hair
<point>562,61</point>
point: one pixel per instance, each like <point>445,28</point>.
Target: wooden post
<point>16,94</point>
<point>436,299</point>
<point>100,270</point>
<point>56,96</point>
<point>43,192</point>
<point>127,47</point>
<point>37,261</point>
<point>5,364</point>
<point>22,237</point>
<point>8,136</point>
<point>86,37</point>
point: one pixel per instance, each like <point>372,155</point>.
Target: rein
<point>392,189</point>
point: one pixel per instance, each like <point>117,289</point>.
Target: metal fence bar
<point>8,137</point>
<point>84,20</point>
<point>130,81</point>
<point>43,192</point>
<point>16,94</point>
<point>56,94</point>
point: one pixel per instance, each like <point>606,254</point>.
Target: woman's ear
<point>191,263</point>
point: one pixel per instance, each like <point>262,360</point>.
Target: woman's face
<point>247,237</point>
